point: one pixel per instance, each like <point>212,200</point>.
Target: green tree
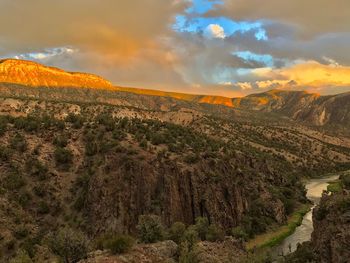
<point>202,226</point>
<point>21,257</point>
<point>150,228</point>
<point>119,244</point>
<point>239,233</point>
<point>177,231</point>
<point>71,245</point>
<point>215,233</point>
<point>63,156</point>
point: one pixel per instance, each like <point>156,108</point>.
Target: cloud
<point>120,40</point>
<point>309,75</point>
<point>108,26</point>
<point>309,18</point>
<point>226,47</point>
<point>215,31</point>
<point>47,54</point>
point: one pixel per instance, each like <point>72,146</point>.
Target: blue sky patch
<point>265,59</point>
<point>203,6</point>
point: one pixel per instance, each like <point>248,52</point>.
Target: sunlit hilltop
<point>37,75</point>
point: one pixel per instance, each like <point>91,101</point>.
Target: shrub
<point>187,254</point>
<point>76,120</point>
<point>289,205</point>
<point>5,153</point>
<point>14,181</point>
<point>91,148</point>
<point>346,181</point>
<point>191,236</point>
<point>21,257</point>
<point>43,208</point>
<point>150,228</point>
<point>24,199</point>
<point>157,139</point>
<point>60,141</point>
<point>10,245</point>
<point>119,244</point>
<point>177,231</point>
<point>71,245</point>
<point>344,204</point>
<point>321,212</point>
<point>202,226</point>
<point>39,190</point>
<point>239,233</point>
<point>35,168</point>
<point>3,127</point>
<point>334,187</point>
<point>29,244</point>
<point>63,156</point>
<point>21,232</point>
<point>106,120</point>
<point>18,143</point>
<point>143,144</point>
<point>259,257</point>
<point>191,158</point>
<point>215,233</point>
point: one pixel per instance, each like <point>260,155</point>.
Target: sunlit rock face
<point>36,75</point>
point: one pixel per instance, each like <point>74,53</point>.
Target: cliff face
<point>178,193</point>
<point>331,237</point>
<point>36,75</point>
<point>301,106</point>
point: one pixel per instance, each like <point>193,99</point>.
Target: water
<point>314,187</point>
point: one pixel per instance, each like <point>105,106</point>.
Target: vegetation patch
<point>334,187</point>
<point>277,235</point>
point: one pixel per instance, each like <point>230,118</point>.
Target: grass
<point>335,187</point>
<point>278,234</point>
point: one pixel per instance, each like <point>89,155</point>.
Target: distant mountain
<point>302,106</point>
<point>209,99</point>
<point>36,75</point>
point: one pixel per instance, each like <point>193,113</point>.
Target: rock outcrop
<point>36,75</point>
<point>228,251</point>
<point>162,252</point>
<point>331,237</point>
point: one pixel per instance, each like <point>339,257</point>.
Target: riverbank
<point>299,225</point>
<point>276,235</point>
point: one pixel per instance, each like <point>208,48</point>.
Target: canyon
<point>78,152</point>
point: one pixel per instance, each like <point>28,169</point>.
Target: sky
<point>218,47</point>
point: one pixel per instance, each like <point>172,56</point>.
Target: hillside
<point>86,163</point>
<point>302,106</point>
<point>97,168</point>
<point>36,75</point>
<point>332,112</point>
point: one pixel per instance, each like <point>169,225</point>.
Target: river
<point>314,188</point>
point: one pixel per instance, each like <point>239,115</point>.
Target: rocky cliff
<point>331,236</point>
<point>302,106</point>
